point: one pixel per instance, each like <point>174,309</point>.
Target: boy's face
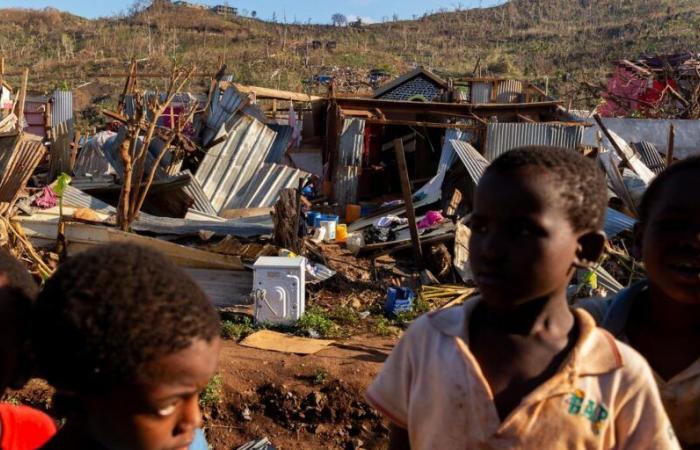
<point>670,238</point>
<point>522,246</point>
<point>161,410</point>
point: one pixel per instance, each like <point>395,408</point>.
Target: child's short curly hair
<point>580,183</point>
<point>109,311</point>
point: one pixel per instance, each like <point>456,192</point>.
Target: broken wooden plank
<point>81,236</point>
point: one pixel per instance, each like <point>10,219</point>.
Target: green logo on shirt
<point>595,412</point>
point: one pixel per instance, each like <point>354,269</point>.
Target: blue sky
<point>301,10</point>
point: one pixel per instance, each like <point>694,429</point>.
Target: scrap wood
<point>454,293</point>
<point>284,343</point>
<point>25,247</point>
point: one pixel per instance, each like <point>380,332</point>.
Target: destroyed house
<point>495,116</point>
<point>417,85</point>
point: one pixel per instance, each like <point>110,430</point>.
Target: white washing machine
<point>279,289</point>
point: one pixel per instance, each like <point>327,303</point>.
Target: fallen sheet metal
<point>629,155</point>
<point>617,222</point>
<point>282,143</point>
<point>82,236</point>
<point>228,166</point>
<point>650,156</point>
<point>19,156</point>
<point>473,161</point>
<point>432,190</point>
<point>608,162</point>
<point>263,190</point>
<point>91,160</point>
<point>284,343</point>
<point>502,137</point>
<point>226,106</point>
<point>224,288</point>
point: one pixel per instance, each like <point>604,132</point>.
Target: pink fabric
<point>47,199</point>
<point>431,219</point>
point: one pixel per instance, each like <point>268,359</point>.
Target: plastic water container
<point>311,217</point>
<point>325,218</point>
<point>341,233</point>
<point>330,227</point>
<point>398,299</point>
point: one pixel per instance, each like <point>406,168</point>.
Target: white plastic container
<point>279,289</point>
<point>329,226</point>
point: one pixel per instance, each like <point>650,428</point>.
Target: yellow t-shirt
<point>604,396</point>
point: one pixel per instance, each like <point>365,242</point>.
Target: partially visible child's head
<point>17,291</point>
<point>134,339</point>
<point>538,213</point>
<point>668,231</point>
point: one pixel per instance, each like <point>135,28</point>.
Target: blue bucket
<point>325,218</point>
<point>398,300</point>
<point>311,217</point>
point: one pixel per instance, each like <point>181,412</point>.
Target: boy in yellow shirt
<point>516,367</point>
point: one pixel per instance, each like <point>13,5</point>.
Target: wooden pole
<point>22,99</point>
<point>671,144</point>
<point>408,200</point>
<point>297,219</point>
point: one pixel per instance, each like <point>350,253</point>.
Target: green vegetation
<point>316,320</point>
<point>237,329</point>
<point>211,395</point>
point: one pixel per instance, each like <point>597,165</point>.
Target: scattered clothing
<point>681,394</point>
<point>24,428</point>
<point>47,199</point>
<point>390,221</point>
<point>601,398</point>
<point>431,219</point>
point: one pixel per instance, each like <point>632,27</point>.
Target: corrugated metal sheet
<point>481,92</point>
<point>263,190</point>
<point>352,142</point>
<point>194,190</point>
<point>616,223</point>
<point>91,160</point>
<point>282,142</point>
<point>62,108</point>
<point>509,91</point>
<point>473,161</point>
<point>224,108</point>
<point>228,166</point>
<point>346,184</point>
<point>634,161</point>
<point>650,156</point>
<point>248,227</point>
<point>502,137</point>
<point>433,188</point>
<point>20,156</point>
<point>59,156</point>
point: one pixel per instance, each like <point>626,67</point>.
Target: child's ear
<point>638,232</point>
<point>590,247</point>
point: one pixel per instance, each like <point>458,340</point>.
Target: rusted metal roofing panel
<point>502,137</point>
<point>473,161</point>
<point>481,92</point>
<point>228,166</point>
<point>650,156</point>
<point>352,142</point>
<point>264,188</point>
<point>62,107</point>
<point>509,91</point>
<point>20,156</point>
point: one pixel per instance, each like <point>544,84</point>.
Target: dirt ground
<point>297,402</point>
